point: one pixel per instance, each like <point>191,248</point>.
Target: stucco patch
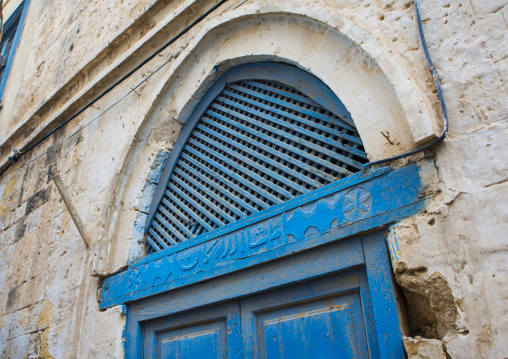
<point>46,314</point>
<point>483,342</point>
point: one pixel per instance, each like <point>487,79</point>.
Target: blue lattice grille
<point>258,144</point>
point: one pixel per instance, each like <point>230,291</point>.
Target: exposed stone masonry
<point>451,261</point>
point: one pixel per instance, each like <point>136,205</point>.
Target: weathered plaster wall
<point>450,260</point>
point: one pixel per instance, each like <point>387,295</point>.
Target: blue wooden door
<point>329,301</point>
<point>322,319</point>
<point>317,304</point>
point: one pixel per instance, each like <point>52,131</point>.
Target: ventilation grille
<point>257,145</point>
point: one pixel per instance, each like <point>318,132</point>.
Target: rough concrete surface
<point>450,261</point>
<point>419,348</point>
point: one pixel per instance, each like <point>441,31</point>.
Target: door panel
<point>320,319</point>
<point>317,330</point>
<point>206,341</point>
<point>207,333</point>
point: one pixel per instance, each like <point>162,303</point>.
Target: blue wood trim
<point>314,263</point>
<point>234,333</point>
<point>327,214</point>
<point>15,43</point>
<point>283,73</point>
<point>134,335</point>
<point>386,316</point>
<point>370,323</point>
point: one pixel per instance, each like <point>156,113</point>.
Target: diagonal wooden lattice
<point>259,144</point>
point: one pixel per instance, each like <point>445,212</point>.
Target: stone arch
<point>359,68</point>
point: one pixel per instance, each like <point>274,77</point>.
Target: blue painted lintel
<point>357,204</point>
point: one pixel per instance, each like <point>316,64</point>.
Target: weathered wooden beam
<point>70,207</point>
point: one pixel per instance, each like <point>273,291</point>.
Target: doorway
<point>322,303</point>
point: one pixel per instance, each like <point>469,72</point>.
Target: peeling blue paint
<point>392,238</point>
<point>394,252</point>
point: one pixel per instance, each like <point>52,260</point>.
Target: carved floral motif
<point>357,203</point>
<point>133,279</point>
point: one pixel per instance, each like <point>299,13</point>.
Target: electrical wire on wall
<point>439,93</point>
<point>18,154</point>
<point>91,121</point>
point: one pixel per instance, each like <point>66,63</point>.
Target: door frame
<point>366,251</point>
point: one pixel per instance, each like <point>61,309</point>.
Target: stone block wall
<point>450,261</point>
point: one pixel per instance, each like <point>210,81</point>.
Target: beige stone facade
<point>451,261</point>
